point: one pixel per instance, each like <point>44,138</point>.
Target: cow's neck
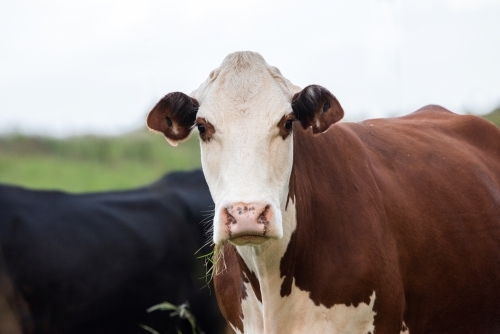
<point>263,305</point>
<point>262,264</point>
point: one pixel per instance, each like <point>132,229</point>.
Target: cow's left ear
<point>316,107</point>
<point>173,116</point>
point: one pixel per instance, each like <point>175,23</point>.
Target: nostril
<point>246,214</point>
<point>263,216</point>
<point>230,220</point>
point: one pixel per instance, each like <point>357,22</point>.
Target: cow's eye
<point>201,128</point>
<point>205,129</point>
<point>285,125</point>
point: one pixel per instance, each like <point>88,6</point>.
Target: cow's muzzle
<point>247,223</point>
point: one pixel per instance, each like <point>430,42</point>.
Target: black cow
<point>93,263</point>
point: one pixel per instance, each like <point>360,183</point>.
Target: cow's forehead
<point>245,85</point>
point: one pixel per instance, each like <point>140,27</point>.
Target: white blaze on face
<point>246,161</point>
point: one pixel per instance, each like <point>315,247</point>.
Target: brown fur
<point>407,207</point>
<point>230,289</point>
<point>174,116</point>
<point>317,108</point>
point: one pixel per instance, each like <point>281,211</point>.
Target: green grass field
<point>83,164</point>
<point>494,116</point>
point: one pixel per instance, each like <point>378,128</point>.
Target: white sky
<point>75,66</point>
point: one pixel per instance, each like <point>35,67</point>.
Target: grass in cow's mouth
<point>214,262</point>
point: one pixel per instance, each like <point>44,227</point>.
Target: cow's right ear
<point>316,107</point>
<point>173,116</point>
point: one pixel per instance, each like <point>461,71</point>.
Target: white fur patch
<point>252,309</point>
<point>247,160</point>
<point>297,313</point>
<point>407,330</point>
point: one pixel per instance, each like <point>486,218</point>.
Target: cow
<point>94,263</point>
<point>382,226</point>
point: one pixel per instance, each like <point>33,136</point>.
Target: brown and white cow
<point>384,226</point>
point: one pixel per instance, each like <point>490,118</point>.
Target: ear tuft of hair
<point>316,107</point>
<point>173,116</point>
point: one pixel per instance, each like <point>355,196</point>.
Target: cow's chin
<point>248,240</point>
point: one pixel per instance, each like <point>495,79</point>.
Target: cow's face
<point>244,113</point>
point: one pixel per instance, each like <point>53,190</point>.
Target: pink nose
<point>242,219</point>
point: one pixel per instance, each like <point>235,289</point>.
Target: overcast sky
<point>78,66</point>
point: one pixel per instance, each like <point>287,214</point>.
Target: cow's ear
<point>316,107</point>
<point>174,116</point>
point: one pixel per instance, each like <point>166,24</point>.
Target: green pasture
<point>89,163</point>
<point>494,116</point>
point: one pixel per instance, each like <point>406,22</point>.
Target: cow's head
<point>244,113</point>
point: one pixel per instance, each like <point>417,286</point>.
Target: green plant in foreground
<point>182,311</point>
<point>215,264</point>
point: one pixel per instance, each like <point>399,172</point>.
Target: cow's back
<point>438,176</point>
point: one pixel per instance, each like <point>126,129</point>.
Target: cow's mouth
<point>248,239</point>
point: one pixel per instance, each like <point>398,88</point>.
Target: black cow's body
<point>94,263</point>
